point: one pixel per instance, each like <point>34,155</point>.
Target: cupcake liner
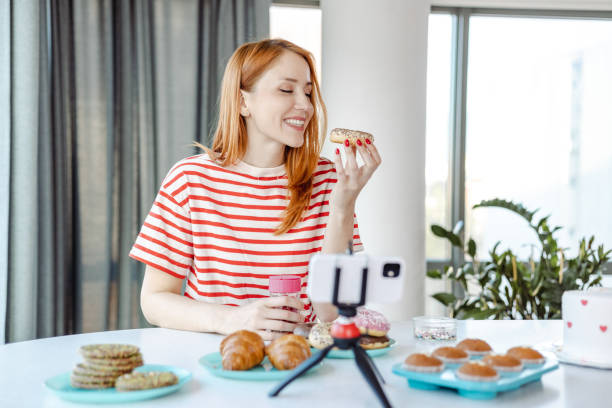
<point>469,377</point>
<point>424,369</point>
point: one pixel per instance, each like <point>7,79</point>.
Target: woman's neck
<point>265,154</point>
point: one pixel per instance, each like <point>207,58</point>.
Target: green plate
<point>349,353</point>
<point>60,386</point>
<point>262,372</point>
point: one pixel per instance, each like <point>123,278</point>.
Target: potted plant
<point>508,288</point>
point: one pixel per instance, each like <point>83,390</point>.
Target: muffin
<point>527,355</point>
<point>423,363</point>
<point>475,347</point>
<point>451,355</point>
<point>503,362</point>
<point>477,371</point>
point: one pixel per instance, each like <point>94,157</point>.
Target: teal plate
<point>349,353</point>
<point>475,389</point>
<point>60,386</point>
<point>262,372</point>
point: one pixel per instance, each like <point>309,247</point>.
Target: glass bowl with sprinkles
<point>435,328</point>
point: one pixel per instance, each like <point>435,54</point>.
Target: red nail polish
<point>368,141</point>
<point>337,151</point>
<point>359,142</point>
<point>346,142</point>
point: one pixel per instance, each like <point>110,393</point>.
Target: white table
<point>25,366</point>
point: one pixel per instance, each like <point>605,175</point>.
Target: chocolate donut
<point>373,342</point>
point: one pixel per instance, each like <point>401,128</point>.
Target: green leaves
<point>446,299</point>
<point>472,248</point>
<point>443,233</point>
<point>509,288</point>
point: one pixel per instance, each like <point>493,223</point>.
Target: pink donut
<point>371,322</point>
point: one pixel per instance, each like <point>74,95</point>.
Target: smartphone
<point>384,282</point>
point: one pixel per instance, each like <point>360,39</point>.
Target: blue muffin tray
<point>475,389</point>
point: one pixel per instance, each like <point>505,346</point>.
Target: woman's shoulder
<point>325,169</point>
<point>194,165</point>
<point>199,162</point>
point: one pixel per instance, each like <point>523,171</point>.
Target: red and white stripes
<point>215,225</point>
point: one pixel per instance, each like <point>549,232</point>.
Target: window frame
<point>459,60</point>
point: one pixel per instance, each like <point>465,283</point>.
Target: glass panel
<point>300,25</point>
<point>438,132</point>
<point>438,137</point>
<point>539,128</point>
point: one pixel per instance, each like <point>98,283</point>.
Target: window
<point>528,121</point>
<point>300,25</point>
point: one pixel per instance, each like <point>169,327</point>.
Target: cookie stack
<point>103,364</point>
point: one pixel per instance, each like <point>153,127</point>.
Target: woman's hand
<point>351,177</point>
<point>266,317</point>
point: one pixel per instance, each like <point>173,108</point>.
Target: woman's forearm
<point>174,311</point>
<point>339,231</point>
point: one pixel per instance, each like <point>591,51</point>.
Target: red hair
<point>244,68</point>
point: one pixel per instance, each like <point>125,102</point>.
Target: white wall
<point>374,70</point>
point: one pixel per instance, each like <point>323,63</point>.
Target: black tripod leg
<point>361,358</point>
<point>305,366</point>
<point>374,368</point>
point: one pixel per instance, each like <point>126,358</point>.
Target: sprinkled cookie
<point>145,380</point>
<point>320,336</point>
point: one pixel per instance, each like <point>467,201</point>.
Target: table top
<point>26,365</point>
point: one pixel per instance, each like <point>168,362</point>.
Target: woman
<point>259,203</point>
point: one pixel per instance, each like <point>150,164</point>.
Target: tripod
<point>346,336</point>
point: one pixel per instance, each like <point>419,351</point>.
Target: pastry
<point>242,350</point>
<point>451,355</point>
<point>587,324</point>
<point>320,336</point>
<point>503,362</point>
<point>477,372</point>
<point>288,351</point>
<point>423,363</point>
<point>339,135</point>
<point>527,355</point>
<point>373,342</point>
<point>475,347</point>
<point>145,380</point>
<point>371,322</point>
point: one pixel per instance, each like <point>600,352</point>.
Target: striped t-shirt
<point>214,226</point>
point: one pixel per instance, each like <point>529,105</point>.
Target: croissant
<point>242,350</point>
<point>288,351</point>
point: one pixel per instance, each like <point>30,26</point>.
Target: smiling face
<point>278,108</point>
